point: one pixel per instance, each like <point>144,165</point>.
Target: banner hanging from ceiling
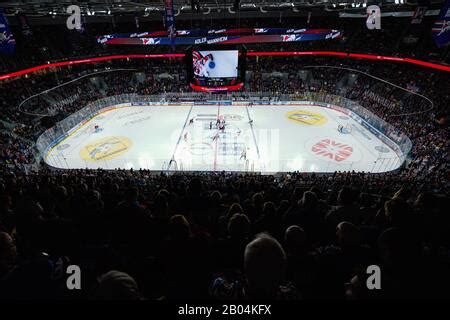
<point>170,22</point>
<point>7,41</point>
<point>307,35</point>
<point>211,32</point>
<point>441,28</point>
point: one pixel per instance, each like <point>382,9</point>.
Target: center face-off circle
<point>306,117</point>
<point>200,148</point>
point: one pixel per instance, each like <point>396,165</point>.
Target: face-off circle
<point>63,147</point>
<point>382,149</point>
<point>232,117</point>
<point>199,148</point>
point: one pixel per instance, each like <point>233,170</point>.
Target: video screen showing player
<point>215,64</point>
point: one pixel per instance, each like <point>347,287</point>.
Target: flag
<point>418,15</point>
<point>136,21</point>
<point>7,41</point>
<point>441,28</point>
<point>24,26</point>
<point>170,22</point>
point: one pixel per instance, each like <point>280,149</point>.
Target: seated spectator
<point>8,254</point>
<point>264,274</point>
<point>300,263</point>
<point>345,211</point>
<point>115,285</point>
<point>229,251</point>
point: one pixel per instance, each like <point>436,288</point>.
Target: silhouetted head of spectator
<point>94,200</point>
<point>83,188</point>
<point>164,193</point>
<point>347,234</point>
<point>284,205</point>
<point>298,192</point>
<point>195,187</point>
<point>317,192</point>
<point>61,193</point>
<point>131,195</point>
<point>115,285</point>
<point>160,207</point>
<point>216,197</point>
<point>364,200</point>
<point>5,202</point>
<point>179,228</point>
<point>269,209</point>
<point>397,248</point>
<point>357,289</point>
<point>396,211</point>
<point>239,226</point>
<point>403,193</point>
<point>265,266</point>
<point>295,239</point>
<point>424,201</point>
<point>258,200</point>
<point>8,253</point>
<point>345,196</point>
<point>234,208</point>
<point>31,210</point>
<point>309,200</point>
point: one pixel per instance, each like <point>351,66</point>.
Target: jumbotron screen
<point>215,64</point>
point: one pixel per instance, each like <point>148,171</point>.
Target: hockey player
<point>201,63</point>
<point>243,155</point>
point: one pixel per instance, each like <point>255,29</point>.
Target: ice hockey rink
<point>262,138</point>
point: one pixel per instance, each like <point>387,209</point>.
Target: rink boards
<point>263,138</point>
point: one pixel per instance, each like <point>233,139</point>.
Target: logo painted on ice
<point>306,117</point>
<point>332,150</point>
<point>106,148</point>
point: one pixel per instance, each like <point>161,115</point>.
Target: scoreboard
<point>216,69</point>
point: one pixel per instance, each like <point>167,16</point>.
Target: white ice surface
<point>272,142</point>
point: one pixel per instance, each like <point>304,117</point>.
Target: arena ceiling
<point>146,8</point>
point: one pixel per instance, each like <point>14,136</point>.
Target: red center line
<point>217,140</point>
